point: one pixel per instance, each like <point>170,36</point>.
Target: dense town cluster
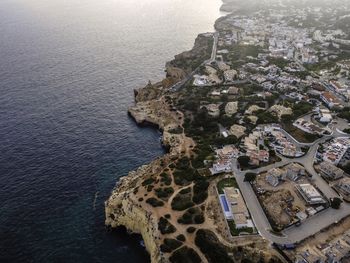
<point>279,88</point>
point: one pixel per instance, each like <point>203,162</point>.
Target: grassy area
<point>235,232</point>
<point>300,135</point>
<point>227,182</point>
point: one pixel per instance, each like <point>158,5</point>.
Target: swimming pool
<point>224,203</point>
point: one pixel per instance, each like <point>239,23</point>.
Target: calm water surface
<point>67,70</point>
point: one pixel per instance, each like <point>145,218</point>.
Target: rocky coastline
<point>152,107</point>
<point>131,203</point>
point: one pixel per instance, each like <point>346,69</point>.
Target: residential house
<point>330,171</point>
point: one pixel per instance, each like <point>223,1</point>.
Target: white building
<point>310,194</point>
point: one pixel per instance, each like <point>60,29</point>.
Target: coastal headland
<point>255,120</point>
<point>152,200</point>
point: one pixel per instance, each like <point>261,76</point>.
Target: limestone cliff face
<point>159,113</point>
<point>152,106</point>
<point>122,210</point>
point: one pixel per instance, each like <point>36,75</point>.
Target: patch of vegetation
<point>227,182</point>
<point>300,109</point>
<point>164,193</point>
<point>211,247</point>
<point>266,117</point>
<point>185,255</point>
<point>182,202</point>
<point>165,227</point>
<point>183,163</point>
<point>240,52</point>
<point>192,59</point>
<point>148,181</point>
<point>170,245</point>
<point>335,203</point>
<point>243,161</point>
<point>192,216</point>
<point>200,191</point>
<point>186,190</point>
<point>345,114</point>
<point>177,130</point>
<point>250,89</point>
<point>165,178</point>
<point>181,238</point>
<point>220,141</point>
<point>279,62</point>
<point>298,134</point>
<point>250,177</point>
<point>150,188</point>
<point>154,202</point>
<point>347,130</point>
<point>321,66</point>
<point>346,168</point>
<point>191,229</point>
<point>185,177</point>
<point>167,216</point>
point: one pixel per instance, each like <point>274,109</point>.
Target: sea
<point>67,73</point>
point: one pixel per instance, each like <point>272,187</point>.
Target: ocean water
<point>67,73</point>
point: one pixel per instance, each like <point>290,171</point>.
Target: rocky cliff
<point>153,105</point>
<point>123,208</point>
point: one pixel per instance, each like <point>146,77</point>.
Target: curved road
<point>311,225</point>
<point>177,86</point>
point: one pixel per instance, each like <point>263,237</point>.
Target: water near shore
<point>67,70</point>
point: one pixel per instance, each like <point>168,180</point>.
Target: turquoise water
<point>67,73</point>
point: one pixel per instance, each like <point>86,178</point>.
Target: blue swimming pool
<point>224,203</point>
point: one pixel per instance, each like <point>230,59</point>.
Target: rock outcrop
<point>153,105</point>
<point>123,208</point>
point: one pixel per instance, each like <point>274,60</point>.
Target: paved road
<point>177,86</point>
<point>310,226</point>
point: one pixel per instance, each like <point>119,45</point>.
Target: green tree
<point>336,202</point>
<point>250,177</point>
<point>272,153</point>
<point>243,161</point>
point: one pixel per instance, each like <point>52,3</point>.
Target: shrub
<point>347,131</point>
<point>243,161</point>
<point>249,177</point>
<point>167,216</point>
<point>170,245</point>
<point>199,219</point>
<point>185,255</point>
<point>181,202</point>
<point>191,229</point>
<point>154,202</point>
<point>181,238</point>
<point>192,216</point>
<point>164,193</point>
<point>200,191</point>
<point>183,163</point>
<point>166,179</point>
<point>266,117</point>
<point>210,246</point>
<point>185,191</point>
<point>177,130</point>
<point>184,177</point>
<point>165,227</point>
<point>148,181</point>
<point>335,203</point>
